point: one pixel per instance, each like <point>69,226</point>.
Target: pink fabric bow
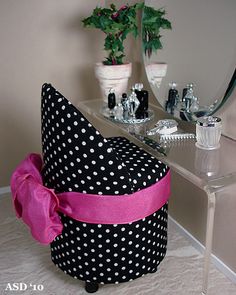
<point>38,206</point>
<point>33,202</point>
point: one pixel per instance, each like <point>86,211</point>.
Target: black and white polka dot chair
<point>78,158</point>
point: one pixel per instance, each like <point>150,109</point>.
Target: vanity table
<point>210,171</point>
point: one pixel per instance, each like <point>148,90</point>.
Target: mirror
<point>200,49</point>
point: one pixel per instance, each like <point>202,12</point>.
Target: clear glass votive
<point>208,132</point>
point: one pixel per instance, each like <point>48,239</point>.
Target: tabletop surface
<point>208,169</point>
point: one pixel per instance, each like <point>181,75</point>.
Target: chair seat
<point>144,169</point>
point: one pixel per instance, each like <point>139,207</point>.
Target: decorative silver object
<point>191,103</point>
<point>125,110</point>
<point>118,111</point>
<point>133,103</point>
<point>138,86</point>
<point>167,131</point>
<point>166,126</point>
<point>126,120</point>
<point>208,132</point>
<point>125,105</point>
<point>176,136</point>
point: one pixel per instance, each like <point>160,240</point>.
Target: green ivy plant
<point>152,22</point>
<point>116,24</point>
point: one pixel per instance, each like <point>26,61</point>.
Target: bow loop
<point>34,203</point>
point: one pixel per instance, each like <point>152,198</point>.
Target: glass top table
<point>211,171</point>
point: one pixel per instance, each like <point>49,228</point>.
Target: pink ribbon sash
<point>38,205</point>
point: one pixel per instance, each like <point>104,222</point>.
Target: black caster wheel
<point>91,287</point>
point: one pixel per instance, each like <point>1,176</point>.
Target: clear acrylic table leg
<point>209,238</point>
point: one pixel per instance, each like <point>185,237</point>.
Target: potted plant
<point>116,24</point>
<point>153,21</point>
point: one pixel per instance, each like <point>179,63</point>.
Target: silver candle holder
<point>208,132</point>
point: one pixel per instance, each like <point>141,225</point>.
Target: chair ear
<point>65,109</point>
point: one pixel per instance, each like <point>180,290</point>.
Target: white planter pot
<point>155,73</point>
<point>113,76</point>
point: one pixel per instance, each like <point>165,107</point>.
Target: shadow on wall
<point>16,141</point>
<point>84,47</point>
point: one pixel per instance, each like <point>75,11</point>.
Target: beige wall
<point>41,41</point>
<point>44,41</point>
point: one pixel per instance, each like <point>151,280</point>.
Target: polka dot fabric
<point>77,158</point>
<point>111,253</point>
<point>143,168</point>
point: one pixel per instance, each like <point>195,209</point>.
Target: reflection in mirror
<point>198,55</point>
<point>155,72</point>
